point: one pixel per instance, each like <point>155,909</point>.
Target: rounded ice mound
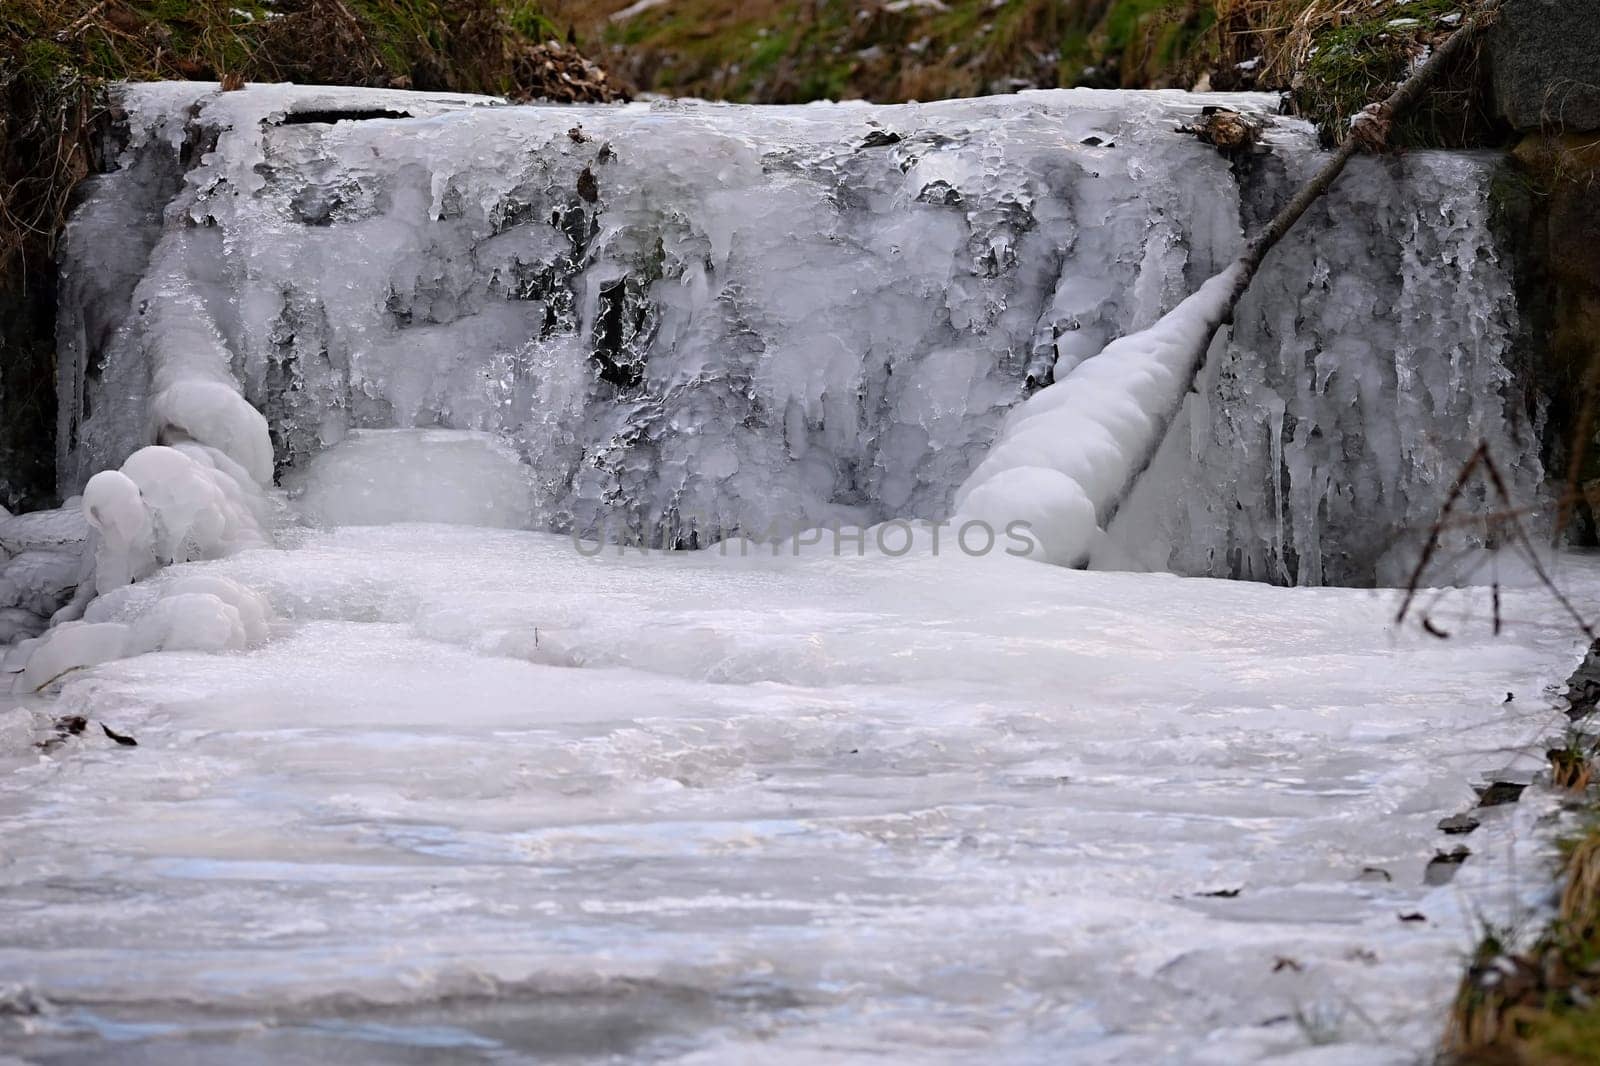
<point>71,646</point>
<point>250,606</point>
<point>186,507</point>
<point>380,477</point>
<point>1056,514</point>
<point>213,413</point>
<point>124,549</point>
<point>200,612</point>
<point>188,621</point>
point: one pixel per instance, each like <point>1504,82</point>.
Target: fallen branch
<point>1369,131</point>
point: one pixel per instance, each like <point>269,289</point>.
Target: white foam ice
<point>488,794</point>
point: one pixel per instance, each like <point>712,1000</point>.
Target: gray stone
<point>1546,60</point>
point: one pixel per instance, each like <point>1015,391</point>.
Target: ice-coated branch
<point>1369,130</point>
<point>1070,456</point>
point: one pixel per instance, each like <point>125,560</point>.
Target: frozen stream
<point>481,798</point>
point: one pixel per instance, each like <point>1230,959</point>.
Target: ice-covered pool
<point>484,798</point>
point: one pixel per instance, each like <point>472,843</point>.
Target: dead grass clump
<point>1335,57</point>
<point>1572,766</point>
<point>1539,1006</point>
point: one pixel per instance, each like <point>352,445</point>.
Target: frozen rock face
<point>1369,358</point>
<point>688,318</point>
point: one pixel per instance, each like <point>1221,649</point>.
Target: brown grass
<point>1538,1006</point>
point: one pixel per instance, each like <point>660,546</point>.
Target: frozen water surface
<point>484,798</point>
<point>474,794</point>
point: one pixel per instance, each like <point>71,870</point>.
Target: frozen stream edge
<point>484,799</point>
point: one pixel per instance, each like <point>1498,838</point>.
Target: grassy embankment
<point>1539,1005</point>
<point>1334,55</point>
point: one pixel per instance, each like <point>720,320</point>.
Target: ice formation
<point>505,794</point>
<point>687,317</point>
<point>1066,457</point>
<point>192,614</point>
<point>166,505</point>
<point>380,476</point>
<point>485,799</point>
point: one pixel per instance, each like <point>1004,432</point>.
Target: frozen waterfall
<point>346,745</point>
<point>689,319</point>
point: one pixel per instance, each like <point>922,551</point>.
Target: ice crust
<point>703,316</point>
<point>485,798</point>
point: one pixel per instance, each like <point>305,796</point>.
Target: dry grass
<point>1336,56</point>
<point>1539,1006</point>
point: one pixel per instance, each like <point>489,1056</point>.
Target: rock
<point>1457,824</point>
<point>1543,55</point>
<point>1443,867</point>
<point>1500,793</point>
<point>1583,687</point>
<point>1550,204</point>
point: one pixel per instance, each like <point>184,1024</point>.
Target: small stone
<point>1443,867</point>
<point>588,187</point>
<point>1500,793</point>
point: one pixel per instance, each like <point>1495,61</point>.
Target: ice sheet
<point>485,798</point>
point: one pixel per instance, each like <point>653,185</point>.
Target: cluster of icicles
<point>1062,460</point>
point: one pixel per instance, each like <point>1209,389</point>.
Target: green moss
<point>1360,62</point>
<point>532,23</point>
<point>767,51</point>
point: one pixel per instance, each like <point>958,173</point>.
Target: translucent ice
<point>375,477</point>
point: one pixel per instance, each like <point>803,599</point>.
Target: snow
<point>717,807</point>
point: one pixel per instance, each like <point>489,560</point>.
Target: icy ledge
<point>686,315</point>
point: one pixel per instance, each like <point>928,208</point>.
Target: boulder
<point>1545,55</point>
